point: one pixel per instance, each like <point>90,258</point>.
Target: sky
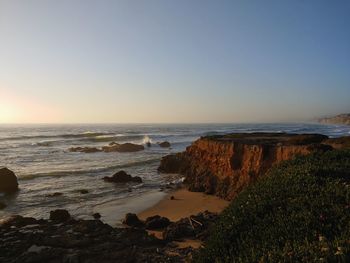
<point>167,61</point>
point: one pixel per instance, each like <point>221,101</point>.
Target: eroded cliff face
<point>224,165</point>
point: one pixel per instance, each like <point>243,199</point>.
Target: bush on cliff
<point>299,212</point>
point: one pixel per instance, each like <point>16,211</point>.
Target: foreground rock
<point>195,226</point>
<point>59,215</point>
<point>124,147</point>
<point>132,220</point>
<point>85,149</point>
<point>122,177</point>
<point>225,165</point>
<point>30,240</point>
<point>8,181</point>
<point>157,222</point>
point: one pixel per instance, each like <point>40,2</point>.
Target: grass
<point>299,212</point>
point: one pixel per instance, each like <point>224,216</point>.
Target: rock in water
<point>124,147</point>
<point>59,215</point>
<point>8,181</point>
<point>165,144</point>
<point>122,177</point>
<point>84,149</point>
<point>156,222</point>
<point>132,220</point>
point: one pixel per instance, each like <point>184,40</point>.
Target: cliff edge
<point>225,165</point>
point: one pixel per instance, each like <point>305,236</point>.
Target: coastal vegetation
<point>298,212</point>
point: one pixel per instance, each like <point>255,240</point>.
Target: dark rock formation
<point>29,240</point>
<point>156,222</point>
<point>125,147</point>
<point>2,205</point>
<point>195,226</point>
<point>96,215</point>
<point>174,163</point>
<point>59,215</point>
<point>339,119</point>
<point>122,177</point>
<point>85,149</point>
<point>165,144</point>
<point>226,164</point>
<point>132,220</point>
<point>8,181</point>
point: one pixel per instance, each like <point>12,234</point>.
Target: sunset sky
<point>173,61</point>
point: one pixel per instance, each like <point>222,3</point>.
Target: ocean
<point>39,156</point>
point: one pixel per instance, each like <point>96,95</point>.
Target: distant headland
<point>338,119</point>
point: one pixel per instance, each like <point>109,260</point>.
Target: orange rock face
<point>227,164</point>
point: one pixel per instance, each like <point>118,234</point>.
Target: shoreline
<point>184,204</point>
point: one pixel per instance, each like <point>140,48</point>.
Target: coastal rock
<point>30,240</point>
<point>165,144</point>
<point>174,163</point>
<point>124,147</point>
<point>156,222</point>
<point>194,226</point>
<point>132,220</point>
<point>59,215</point>
<point>122,177</point>
<point>8,181</point>
<point>225,164</point>
<point>85,149</point>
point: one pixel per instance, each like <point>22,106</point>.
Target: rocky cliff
<point>224,165</point>
<point>339,119</point>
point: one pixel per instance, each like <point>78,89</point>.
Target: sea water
<point>39,156</point>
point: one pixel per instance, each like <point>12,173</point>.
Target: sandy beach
<point>184,204</point>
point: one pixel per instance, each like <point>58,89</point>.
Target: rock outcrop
<point>122,177</point>
<point>224,165</point>
<point>8,181</point>
<point>165,144</point>
<point>84,149</point>
<point>339,119</point>
<point>124,147</point>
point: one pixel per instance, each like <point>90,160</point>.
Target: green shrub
<point>299,212</point>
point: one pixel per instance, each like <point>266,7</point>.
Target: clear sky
<point>173,60</point>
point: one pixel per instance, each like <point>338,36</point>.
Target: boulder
<point>165,144</point>
<point>85,149</point>
<point>8,181</point>
<point>59,215</point>
<point>122,177</point>
<point>132,220</point>
<point>156,222</point>
<point>124,147</point>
